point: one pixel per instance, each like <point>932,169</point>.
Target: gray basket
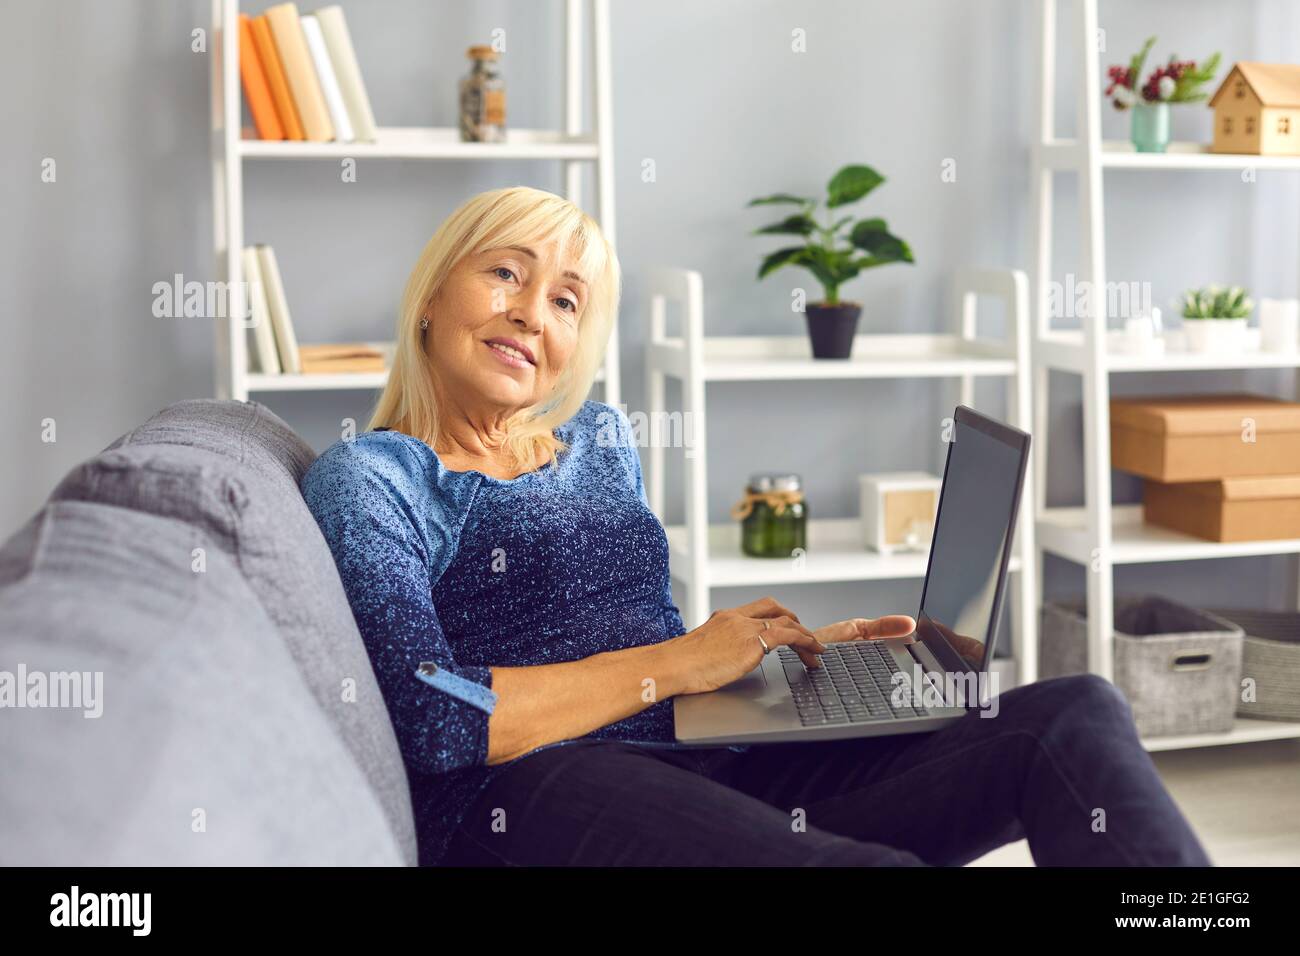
<point>1271,658</point>
<point>1180,668</point>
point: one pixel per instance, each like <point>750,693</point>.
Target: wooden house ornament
<point>1257,110</point>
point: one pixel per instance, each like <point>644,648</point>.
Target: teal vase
<point>1150,130</point>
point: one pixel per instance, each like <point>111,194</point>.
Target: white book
<point>338,40</point>
<point>279,308</point>
<point>263,352</point>
<point>329,83</point>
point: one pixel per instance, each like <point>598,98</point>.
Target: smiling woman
<point>508,607</point>
<point>503,325</point>
<point>520,622</point>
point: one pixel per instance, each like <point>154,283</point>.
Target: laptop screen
<point>972,537</point>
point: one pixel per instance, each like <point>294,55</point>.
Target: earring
<point>424,323</point>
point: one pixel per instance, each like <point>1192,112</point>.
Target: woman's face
<point>526,295</point>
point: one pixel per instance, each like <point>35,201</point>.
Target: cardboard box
<point>1204,437</point>
<point>1230,509</point>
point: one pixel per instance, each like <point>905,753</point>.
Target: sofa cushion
<point>208,747</point>
<point>246,432</point>
<point>232,470</point>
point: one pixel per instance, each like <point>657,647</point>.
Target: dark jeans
<point>1060,765</point>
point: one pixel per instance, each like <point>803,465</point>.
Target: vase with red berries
<point>1178,81</point>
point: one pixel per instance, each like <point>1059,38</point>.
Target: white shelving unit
<point>705,556</point>
<point>232,147</point>
<point>1101,535</point>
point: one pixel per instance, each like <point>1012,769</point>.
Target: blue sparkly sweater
<point>469,571</point>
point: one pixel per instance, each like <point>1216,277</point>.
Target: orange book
<point>300,71</point>
<point>260,103</point>
<point>284,108</point>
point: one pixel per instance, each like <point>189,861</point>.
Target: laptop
<point>913,684</point>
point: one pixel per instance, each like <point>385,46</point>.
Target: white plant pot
<point>1215,335</point>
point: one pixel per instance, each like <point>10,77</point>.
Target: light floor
<point>1243,801</point>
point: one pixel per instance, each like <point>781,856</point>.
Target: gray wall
<point>713,94</point>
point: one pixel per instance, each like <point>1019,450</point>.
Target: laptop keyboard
<point>854,685</point>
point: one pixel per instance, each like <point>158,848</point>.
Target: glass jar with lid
<point>483,99</point>
<point>773,516</point>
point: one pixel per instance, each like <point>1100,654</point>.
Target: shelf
<point>1064,531</point>
<point>258,382</point>
<point>1065,350</point>
<point>403,142</point>
<point>317,382</point>
<point>835,553</point>
<point>1244,730</point>
<point>1120,154</point>
<point>754,358</point>
<point>341,381</point>
<point>583,76</point>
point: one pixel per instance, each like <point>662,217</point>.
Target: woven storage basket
<point>1271,657</point>
<point>1180,668</point>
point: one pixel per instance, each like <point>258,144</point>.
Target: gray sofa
<point>240,721</point>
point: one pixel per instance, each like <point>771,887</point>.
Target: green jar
<point>773,517</point>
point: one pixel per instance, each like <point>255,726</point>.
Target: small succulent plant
<point>1216,302</point>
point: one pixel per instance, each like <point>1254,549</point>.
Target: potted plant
<point>834,252</point>
<point>1178,81</point>
<point>1214,318</point>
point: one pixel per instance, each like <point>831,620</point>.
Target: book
<point>291,45</point>
<point>270,60</point>
<point>341,350</point>
<point>263,353</point>
<point>278,305</point>
<point>338,40</point>
<point>329,83</point>
<point>256,90</point>
<point>343,367</point>
<point>341,357</point>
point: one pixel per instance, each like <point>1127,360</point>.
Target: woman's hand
<point>726,647</point>
<point>866,629</point>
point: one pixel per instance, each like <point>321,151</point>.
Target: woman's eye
<point>510,274</point>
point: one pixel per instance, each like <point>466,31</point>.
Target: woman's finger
<point>865,629</point>
<point>807,647</point>
<point>851,630</point>
<point>892,625</point>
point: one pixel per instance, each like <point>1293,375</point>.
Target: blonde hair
<point>518,215</point>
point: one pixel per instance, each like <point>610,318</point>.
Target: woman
<point>511,585</point>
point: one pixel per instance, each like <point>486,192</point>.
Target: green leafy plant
<point>1216,302</point>
<point>839,249</point>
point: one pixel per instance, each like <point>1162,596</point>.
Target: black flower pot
<point>831,329</point>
